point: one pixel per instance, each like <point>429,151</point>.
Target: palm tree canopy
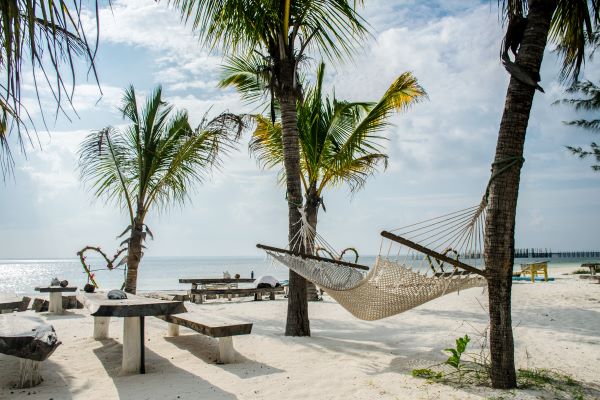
<point>331,26</point>
<point>341,142</point>
<point>46,36</point>
<point>158,157</point>
<point>571,28</point>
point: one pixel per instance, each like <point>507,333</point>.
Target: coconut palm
<point>589,102</point>
<point>281,32</point>
<point>42,36</point>
<point>341,143</point>
<point>152,163</point>
<point>531,24</point>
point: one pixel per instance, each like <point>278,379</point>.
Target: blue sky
<point>440,150</point>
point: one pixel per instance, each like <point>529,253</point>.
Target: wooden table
<point>133,309</point>
<point>592,266</point>
<point>55,294</point>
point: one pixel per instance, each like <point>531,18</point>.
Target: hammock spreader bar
<point>311,257</point>
<point>430,252</point>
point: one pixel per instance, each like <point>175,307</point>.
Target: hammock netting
<point>416,264</point>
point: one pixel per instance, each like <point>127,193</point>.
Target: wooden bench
<point>534,269</point>
<point>213,283</point>
<point>30,339</point>
<point>198,295</point>
<point>214,326</point>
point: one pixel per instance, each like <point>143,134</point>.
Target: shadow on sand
<point>206,350</point>
<point>172,378</point>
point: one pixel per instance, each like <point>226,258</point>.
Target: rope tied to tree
<point>506,164</point>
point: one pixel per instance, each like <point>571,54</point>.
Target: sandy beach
<point>556,326</point>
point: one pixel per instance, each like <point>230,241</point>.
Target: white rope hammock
<point>407,274</point>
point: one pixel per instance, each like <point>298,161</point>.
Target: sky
<point>440,150</point>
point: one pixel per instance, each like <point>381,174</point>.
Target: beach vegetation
<point>463,368</point>
<point>531,24</point>
<point>341,142</point>
<point>152,163</point>
<point>581,271</point>
<point>281,33</point>
<point>588,101</point>
<point>45,39</point>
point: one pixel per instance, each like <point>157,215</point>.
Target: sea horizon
<point>21,276</point>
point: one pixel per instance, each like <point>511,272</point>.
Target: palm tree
<point>153,162</point>
<point>43,36</point>
<point>590,102</point>
<point>340,142</point>
<point>531,23</point>
<point>281,32</point>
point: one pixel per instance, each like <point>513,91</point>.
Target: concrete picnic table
<point>133,309</point>
<point>55,294</point>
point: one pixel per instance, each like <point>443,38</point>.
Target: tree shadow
<point>206,349</point>
<point>176,381</point>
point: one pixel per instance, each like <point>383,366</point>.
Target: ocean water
<point>162,273</point>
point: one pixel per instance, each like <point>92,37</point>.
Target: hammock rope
<point>410,270</point>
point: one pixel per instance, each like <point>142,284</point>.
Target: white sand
<point>556,325</point>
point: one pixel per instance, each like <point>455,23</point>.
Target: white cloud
<point>440,150</point>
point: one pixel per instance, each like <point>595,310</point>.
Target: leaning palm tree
<point>281,32</point>
<point>531,23</point>
<point>153,162</point>
<point>341,143</point>
<point>42,36</point>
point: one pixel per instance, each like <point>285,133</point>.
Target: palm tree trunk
<point>134,254</point>
<point>297,323</point>
<point>311,209</point>
<point>503,193</point>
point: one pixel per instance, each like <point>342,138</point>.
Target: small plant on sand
<point>460,367</point>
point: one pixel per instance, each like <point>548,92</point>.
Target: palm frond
<point>571,27</point>
<point>156,159</point>
<point>250,75</point>
<point>358,135</point>
<point>45,37</point>
<point>266,144</point>
<point>105,166</point>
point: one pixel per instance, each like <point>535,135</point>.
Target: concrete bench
<point>11,302</point>
<point>199,294</point>
<point>214,326</point>
<point>31,340</point>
